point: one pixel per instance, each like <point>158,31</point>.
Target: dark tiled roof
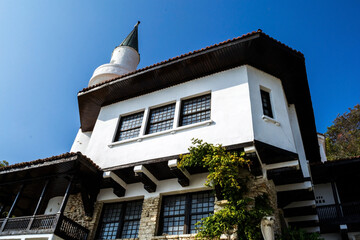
<point>337,160</point>
<point>191,53</point>
<point>49,159</point>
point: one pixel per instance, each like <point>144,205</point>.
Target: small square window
<point>120,220</point>
<point>266,103</point>
<point>180,213</point>
<point>161,119</point>
<point>129,126</point>
<point>195,110</point>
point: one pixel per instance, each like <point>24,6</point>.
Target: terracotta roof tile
<point>188,54</point>
<point>49,159</point>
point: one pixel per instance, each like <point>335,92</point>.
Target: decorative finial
<point>138,22</point>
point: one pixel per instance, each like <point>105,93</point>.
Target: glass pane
<point>174,205</point>
<point>161,118</point>
<point>174,225</point>
<point>196,110</point>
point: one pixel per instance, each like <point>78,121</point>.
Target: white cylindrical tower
<point>124,59</point>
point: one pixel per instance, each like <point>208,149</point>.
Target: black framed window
<point>180,213</point>
<point>161,119</point>
<point>129,126</point>
<point>266,103</point>
<point>120,220</point>
<point>195,110</point>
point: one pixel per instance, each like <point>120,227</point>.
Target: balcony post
<point>38,204</point>
<point>336,199</point>
<point>12,208</point>
<point>66,196</point>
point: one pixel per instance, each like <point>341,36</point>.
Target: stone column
<point>149,218</point>
<point>75,211</point>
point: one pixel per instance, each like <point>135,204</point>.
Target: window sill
<point>183,236</point>
<point>271,120</point>
<point>172,131</point>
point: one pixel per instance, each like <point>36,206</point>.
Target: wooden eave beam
<point>181,174</point>
<point>146,178</point>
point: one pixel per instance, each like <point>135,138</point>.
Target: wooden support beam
<point>181,174</point>
<point>118,185</point>
<point>146,178</point>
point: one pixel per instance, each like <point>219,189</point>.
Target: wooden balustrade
<point>339,213</point>
<point>57,224</point>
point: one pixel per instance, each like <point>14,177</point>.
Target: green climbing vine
<point>229,172</point>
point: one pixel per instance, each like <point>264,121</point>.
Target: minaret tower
<point>124,59</point>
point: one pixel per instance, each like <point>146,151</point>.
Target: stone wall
<point>149,218</point>
<point>258,186</point>
<point>75,211</point>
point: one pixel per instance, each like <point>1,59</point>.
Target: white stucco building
<point>249,94</point>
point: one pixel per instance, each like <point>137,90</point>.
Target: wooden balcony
<point>345,213</point>
<point>43,224</point>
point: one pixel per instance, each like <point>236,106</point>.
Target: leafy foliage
<point>3,163</point>
<point>228,171</point>
<point>298,234</point>
<point>343,137</point>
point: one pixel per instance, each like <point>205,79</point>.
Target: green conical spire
<point>132,39</point>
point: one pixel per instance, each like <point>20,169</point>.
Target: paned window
<point>120,220</point>
<point>195,110</point>
<point>266,104</point>
<point>180,213</point>
<point>129,126</point>
<point>161,119</point>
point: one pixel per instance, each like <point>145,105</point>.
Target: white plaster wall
<point>324,191</point>
<point>230,113</point>
<point>53,205</point>
<point>321,141</point>
<point>298,140</point>
<point>81,141</point>
<point>267,131</point>
<point>169,187</point>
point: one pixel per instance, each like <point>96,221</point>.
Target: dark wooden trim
<point>233,147</point>
<point>300,211</point>
<point>304,224</point>
<point>286,197</point>
<point>149,185</point>
<point>183,180</point>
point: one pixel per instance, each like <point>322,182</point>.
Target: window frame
<point>121,220</point>
<point>187,212</point>
<point>148,120</point>
<point>268,98</point>
<point>182,115</point>
<point>119,123</point>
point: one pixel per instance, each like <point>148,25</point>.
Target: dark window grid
<point>161,119</point>
<point>187,217</point>
<point>122,227</point>
<point>195,110</point>
<point>129,126</point>
<point>266,103</point>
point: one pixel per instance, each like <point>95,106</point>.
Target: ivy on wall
<point>228,171</point>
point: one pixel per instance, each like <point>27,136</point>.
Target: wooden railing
<point>71,230</point>
<point>56,223</point>
<point>339,213</point>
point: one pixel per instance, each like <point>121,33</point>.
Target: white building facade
<point>248,94</point>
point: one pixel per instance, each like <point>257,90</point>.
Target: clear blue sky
<point>49,50</point>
